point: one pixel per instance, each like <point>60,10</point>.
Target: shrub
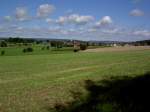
<point>2,52</point>
<point>47,47</point>
<point>3,44</point>
<point>76,50</point>
<point>25,44</point>
<point>24,50</point>
<point>29,49</point>
<point>83,47</point>
<point>42,48</point>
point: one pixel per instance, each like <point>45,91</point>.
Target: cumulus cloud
<point>105,21</point>
<point>62,20</point>
<point>21,14</point>
<point>83,32</point>
<point>75,19</point>
<point>45,10</point>
<point>136,12</point>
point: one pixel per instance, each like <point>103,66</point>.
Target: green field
<point>37,49</point>
<point>34,83</point>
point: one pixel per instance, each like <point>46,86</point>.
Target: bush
<point>24,50</point>
<point>29,49</point>
<point>2,52</point>
<point>47,47</point>
<point>42,48</point>
<point>76,50</point>
<point>83,47</point>
<point>3,44</point>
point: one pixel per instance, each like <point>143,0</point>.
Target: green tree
<point>3,44</point>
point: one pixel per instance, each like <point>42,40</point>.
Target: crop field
<point>34,83</point>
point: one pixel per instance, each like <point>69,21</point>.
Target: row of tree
<point>19,40</point>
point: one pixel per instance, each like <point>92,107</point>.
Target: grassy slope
<point>32,83</point>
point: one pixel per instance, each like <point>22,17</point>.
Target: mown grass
<point>34,83</point>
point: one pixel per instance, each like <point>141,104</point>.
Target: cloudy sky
<point>122,20</point>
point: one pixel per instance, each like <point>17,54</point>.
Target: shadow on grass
<point>120,94</point>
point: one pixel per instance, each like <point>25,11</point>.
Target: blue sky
<point>122,20</point>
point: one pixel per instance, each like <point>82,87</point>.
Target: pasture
<point>34,83</point>
<point>37,50</point>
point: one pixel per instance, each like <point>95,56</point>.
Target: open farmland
<point>125,48</point>
<point>34,83</point>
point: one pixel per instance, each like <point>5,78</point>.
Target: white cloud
<point>21,14</point>
<point>91,30</point>
<point>45,10</point>
<point>48,20</point>
<point>19,28</point>
<point>136,12</point>
<point>54,30</point>
<point>75,19</point>
<point>84,32</point>
<point>70,11</point>
<point>105,21</point>
<point>62,20</point>
<point>111,31</point>
<point>7,18</point>
<point>145,33</point>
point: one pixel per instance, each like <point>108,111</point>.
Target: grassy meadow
<point>37,50</point>
<point>35,82</point>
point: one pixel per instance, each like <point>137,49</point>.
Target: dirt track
<point>112,49</point>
